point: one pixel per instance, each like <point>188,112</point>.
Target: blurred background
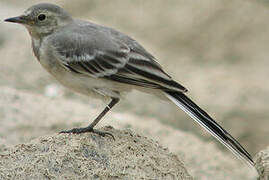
<point>217,49</point>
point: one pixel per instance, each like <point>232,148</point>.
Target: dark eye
<point>41,17</point>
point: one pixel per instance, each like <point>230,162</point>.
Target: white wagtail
<point>96,60</point>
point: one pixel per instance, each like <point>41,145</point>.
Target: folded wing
<point>116,61</point>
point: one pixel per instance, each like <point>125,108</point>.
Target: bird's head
<point>42,19</point>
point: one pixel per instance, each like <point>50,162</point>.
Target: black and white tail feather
<point>204,120</point>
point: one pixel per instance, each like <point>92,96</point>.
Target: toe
<point>87,129</point>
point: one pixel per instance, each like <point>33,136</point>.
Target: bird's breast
<point>36,46</point>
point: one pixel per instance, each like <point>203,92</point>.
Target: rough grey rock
<point>262,164</point>
<point>90,156</point>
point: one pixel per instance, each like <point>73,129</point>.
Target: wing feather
<point>115,60</point>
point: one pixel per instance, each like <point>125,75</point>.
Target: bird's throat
<point>36,43</point>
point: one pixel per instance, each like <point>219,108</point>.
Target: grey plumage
<point>95,60</point>
<point>102,52</point>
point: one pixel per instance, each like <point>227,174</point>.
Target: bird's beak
<point>19,19</point>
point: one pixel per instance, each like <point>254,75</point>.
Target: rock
<point>262,164</point>
<point>90,156</point>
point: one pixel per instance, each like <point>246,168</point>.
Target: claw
<point>103,134</point>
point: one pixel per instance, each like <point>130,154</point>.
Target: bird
<point>99,61</point>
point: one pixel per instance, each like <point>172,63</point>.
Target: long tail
<point>203,119</point>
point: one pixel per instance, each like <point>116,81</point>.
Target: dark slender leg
<point>89,128</point>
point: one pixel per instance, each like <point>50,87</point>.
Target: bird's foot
<point>88,129</point>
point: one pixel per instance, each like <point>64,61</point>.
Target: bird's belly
<point>84,84</point>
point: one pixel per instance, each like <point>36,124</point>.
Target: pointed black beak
<point>18,19</point>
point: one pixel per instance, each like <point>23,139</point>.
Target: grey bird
<point>99,61</point>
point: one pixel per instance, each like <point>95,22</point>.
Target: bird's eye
<point>41,17</point>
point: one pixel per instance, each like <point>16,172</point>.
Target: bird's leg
<point>89,128</point>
